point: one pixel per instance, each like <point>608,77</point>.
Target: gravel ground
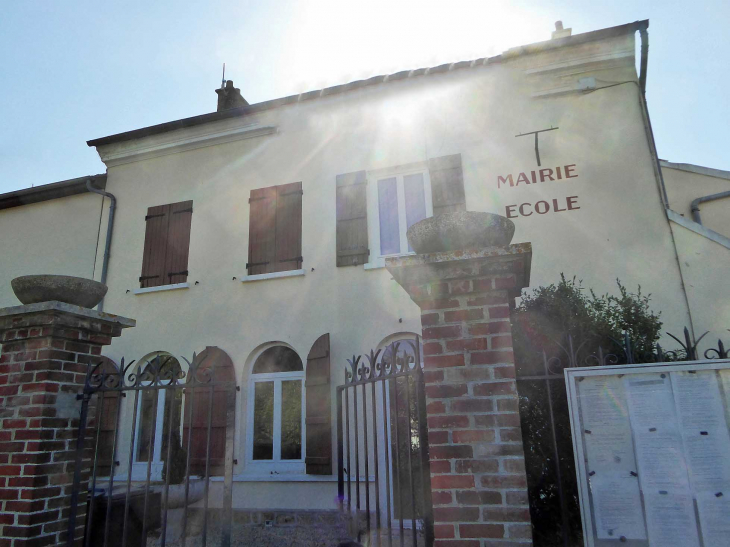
<point>305,533</point>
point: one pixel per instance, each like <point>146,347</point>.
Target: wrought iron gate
<point>382,429</point>
<point>198,406</point>
<point>545,421</point>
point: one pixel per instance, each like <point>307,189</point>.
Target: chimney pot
<point>230,97</point>
<point>561,32</point>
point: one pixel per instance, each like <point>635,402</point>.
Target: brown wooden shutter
<point>447,184</point>
<point>166,244</point>
<point>224,371</point>
<point>319,412</point>
<point>288,227</point>
<point>108,425</point>
<point>262,231</point>
<point>178,242</point>
<point>155,247</point>
<point>352,219</point>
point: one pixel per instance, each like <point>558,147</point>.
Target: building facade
<point>259,229</point>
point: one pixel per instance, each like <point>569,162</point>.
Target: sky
<point>74,70</point>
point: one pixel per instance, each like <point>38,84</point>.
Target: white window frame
<point>139,469</point>
<point>275,465</point>
<point>377,259</point>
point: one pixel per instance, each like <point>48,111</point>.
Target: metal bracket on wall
<point>537,150</point>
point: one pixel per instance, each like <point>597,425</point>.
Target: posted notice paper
<point>659,449</point>
<point>617,507</point>
<point>606,426</point>
<point>670,519</point>
<point>704,430</point>
<point>714,513</point>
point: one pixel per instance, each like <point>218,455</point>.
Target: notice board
<point>652,453</point>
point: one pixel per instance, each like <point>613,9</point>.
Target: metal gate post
<point>85,398</point>
<point>228,478</point>
<point>340,453</point>
<point>424,453</point>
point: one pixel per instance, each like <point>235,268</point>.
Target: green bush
<point>541,323</point>
<point>544,318</point>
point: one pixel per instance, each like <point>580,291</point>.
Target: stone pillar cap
<point>69,309</point>
<point>427,268</point>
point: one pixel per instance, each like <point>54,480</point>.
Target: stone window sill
<point>379,262</point>
<point>274,275</point>
<point>173,287</point>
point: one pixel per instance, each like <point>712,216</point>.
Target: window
<point>376,208</point>
<point>399,201</point>
<point>276,412</point>
<point>166,244</point>
<point>155,421</point>
<point>275,229</point>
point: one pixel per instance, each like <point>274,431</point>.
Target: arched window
<point>275,412</point>
<point>155,420</point>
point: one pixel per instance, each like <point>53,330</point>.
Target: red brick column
<point>46,350</point>
<point>477,463</point>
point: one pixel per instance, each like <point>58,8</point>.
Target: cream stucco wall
<point>683,186</point>
<point>705,266</point>
<point>57,237</point>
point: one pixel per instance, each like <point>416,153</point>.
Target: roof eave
<point>51,191</point>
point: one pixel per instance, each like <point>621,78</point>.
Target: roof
<point>530,49</point>
<point>47,192</point>
<point>698,169</point>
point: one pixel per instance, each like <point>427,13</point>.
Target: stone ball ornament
<point>78,291</point>
<point>460,230</point>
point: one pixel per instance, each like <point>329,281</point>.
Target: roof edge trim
<point>697,169</point>
<point>47,192</point>
<point>510,54</point>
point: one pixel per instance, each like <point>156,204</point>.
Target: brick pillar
<point>477,462</point>
<point>46,351</point>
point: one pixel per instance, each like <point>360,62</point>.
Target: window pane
<point>415,197</point>
<point>263,421</point>
<point>173,408</point>
<point>388,208</point>
<point>146,415</point>
<point>291,420</point>
<point>278,359</point>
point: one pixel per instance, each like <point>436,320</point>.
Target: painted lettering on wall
<point>541,207</point>
<point>541,175</point>
<point>556,205</point>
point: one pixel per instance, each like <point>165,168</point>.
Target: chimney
<point>230,97</point>
<point>560,32</point>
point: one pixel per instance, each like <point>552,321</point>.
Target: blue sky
<point>75,70</point>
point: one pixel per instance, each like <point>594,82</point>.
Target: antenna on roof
<point>223,82</point>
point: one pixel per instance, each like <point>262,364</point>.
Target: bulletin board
<point>652,453</point>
